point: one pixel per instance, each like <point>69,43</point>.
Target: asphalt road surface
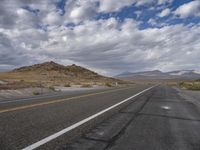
<point>168,121</point>
<point>25,122</point>
<point>164,119</point>
<point>133,118</point>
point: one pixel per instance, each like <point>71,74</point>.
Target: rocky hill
<point>53,69</point>
<point>52,74</point>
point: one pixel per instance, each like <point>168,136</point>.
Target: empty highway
<point>139,117</point>
<point>25,122</point>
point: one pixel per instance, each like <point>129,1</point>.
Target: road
<point>140,117</point>
<point>166,119</point>
<point>25,122</point>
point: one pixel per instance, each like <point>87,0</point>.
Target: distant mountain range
<point>157,74</point>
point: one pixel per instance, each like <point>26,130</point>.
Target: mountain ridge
<point>157,74</point>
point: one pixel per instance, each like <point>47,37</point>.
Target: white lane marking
<point>55,135</point>
<point>35,98</point>
<point>165,107</point>
<point>20,100</point>
<point>39,97</point>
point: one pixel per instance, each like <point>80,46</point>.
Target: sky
<point>107,36</point>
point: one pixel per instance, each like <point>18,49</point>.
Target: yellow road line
<point>59,100</point>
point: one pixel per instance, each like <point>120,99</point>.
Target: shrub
<point>86,85</point>
<point>198,80</point>
<point>108,84</point>
<point>36,93</point>
<point>190,85</point>
<point>52,88</point>
<point>67,85</point>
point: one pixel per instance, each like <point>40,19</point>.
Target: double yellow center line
<point>58,100</point>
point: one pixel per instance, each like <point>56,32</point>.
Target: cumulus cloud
<point>114,46</point>
<point>11,55</point>
<point>164,1</point>
<point>37,33</point>
<point>164,12</point>
<point>53,18</point>
<point>113,5</point>
<point>189,9</point>
<point>152,22</point>
<point>144,2</point>
<point>82,12</point>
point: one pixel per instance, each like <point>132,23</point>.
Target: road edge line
<point>58,100</point>
<point>63,131</point>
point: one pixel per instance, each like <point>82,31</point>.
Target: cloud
<point>144,2</point>
<point>138,13</point>
<point>53,18</point>
<point>82,12</point>
<point>10,54</point>
<point>114,46</point>
<point>189,9</point>
<point>160,2</point>
<point>40,32</point>
<point>113,5</point>
<point>164,12</point>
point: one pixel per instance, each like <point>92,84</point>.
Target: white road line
<point>34,98</point>
<point>41,97</point>
<point>24,99</point>
<point>55,135</point>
